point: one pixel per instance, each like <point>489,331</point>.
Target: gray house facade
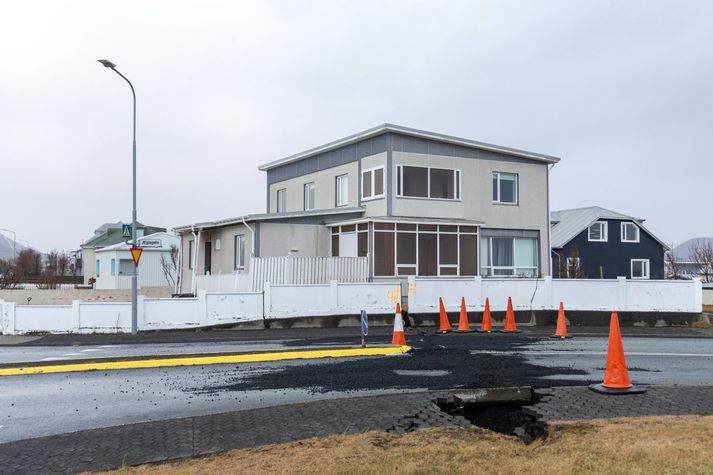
<point>413,202</point>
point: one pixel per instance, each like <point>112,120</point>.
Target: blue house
<point>596,243</point>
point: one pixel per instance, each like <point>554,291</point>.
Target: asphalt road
<point>37,405</point>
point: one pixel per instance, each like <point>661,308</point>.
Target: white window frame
<point>281,200</point>
<point>373,182</point>
<point>239,252</point>
<point>604,234</point>
<point>638,232</point>
<point>308,186</point>
<point>490,269</point>
<point>646,269</point>
<point>517,189</point>
<point>457,183</point>
<point>113,266</point>
<point>341,187</point>
<point>191,250</point>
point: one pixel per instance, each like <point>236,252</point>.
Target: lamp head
<point>107,63</point>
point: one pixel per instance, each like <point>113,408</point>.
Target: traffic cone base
<point>599,388</point>
<point>563,337</point>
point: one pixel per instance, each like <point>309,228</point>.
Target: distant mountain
<point>682,252</point>
<point>6,247</point>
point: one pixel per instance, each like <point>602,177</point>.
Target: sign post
<point>364,327</point>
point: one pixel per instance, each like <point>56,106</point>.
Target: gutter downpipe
<point>549,221</point>
<point>559,260</point>
<point>196,247</point>
<point>252,241</point>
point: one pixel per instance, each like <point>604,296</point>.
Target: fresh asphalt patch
<point>437,362</point>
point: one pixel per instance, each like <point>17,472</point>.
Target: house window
<point>113,267</point>
<point>372,183</point>
<point>509,257</point>
<point>424,182</point>
<point>505,189</point>
<point>191,246</point>
<point>424,249</point>
<point>599,232</point>
<point>639,268</point>
<point>98,267</point>
<point>282,200</point>
<point>239,251</point>
<point>126,267</point>
<point>629,232</point>
<point>342,190</point>
<point>350,240</point>
<point>574,268</point>
<point>309,196</point>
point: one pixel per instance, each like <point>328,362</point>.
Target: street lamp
<point>134,275</point>
<point>14,242</point>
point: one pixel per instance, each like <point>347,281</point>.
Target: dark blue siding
<point>614,257</point>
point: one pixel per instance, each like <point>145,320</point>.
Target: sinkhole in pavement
<point>498,413</point>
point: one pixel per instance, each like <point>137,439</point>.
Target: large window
<point>309,196</point>
<point>505,188</point>
<point>598,232</point>
<point>342,190</point>
<point>191,246</point>
<point>372,183</point>
<point>402,249</point>
<point>239,251</point>
<point>282,200</point>
<point>350,240</point>
<point>509,256</point>
<point>126,266</point>
<point>424,182</point>
<point>629,232</point>
<point>639,268</point>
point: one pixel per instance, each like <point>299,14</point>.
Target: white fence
<point>546,294</point>
<point>207,309</point>
<point>288,270</point>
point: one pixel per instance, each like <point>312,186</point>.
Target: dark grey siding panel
<point>332,158</point>
<point>405,143</point>
<point>521,233</point>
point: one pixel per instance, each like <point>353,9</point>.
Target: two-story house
<point>414,202</point>
<point>597,243</point>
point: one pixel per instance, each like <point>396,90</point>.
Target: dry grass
<point>669,445</point>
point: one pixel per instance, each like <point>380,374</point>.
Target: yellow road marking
<point>204,360</point>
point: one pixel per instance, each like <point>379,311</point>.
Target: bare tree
<point>169,266</point>
<point>702,255</point>
<point>62,264</point>
<point>672,265</point>
<point>29,263</point>
<point>571,265</point>
<point>8,275</point>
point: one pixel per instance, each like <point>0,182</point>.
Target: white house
<point>114,264</point>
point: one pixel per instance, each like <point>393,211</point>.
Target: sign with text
<point>150,243</point>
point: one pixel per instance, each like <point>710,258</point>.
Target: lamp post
<point>14,242</point>
<point>134,275</point>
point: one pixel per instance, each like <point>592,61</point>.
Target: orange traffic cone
<point>510,326</point>
<point>444,326</point>
<point>616,376</point>
<point>561,331</point>
<point>487,324</point>
<point>463,326</point>
<point>399,339</point>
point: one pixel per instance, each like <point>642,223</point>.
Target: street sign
<point>126,231</point>
<point>136,254</point>
<point>364,323</point>
<point>150,242</point>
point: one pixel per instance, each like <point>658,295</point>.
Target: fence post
<point>77,311</point>
<point>550,302</point>
<point>140,312</point>
<point>203,305</point>
<point>334,297</point>
<point>478,291</point>
<point>7,313</point>
<point>697,295</point>
<point>411,293</point>
<point>623,300</point>
<point>267,299</point>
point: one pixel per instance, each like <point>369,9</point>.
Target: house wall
<point>150,269</point>
<point>89,264</point>
<point>324,188</point>
<point>282,239</point>
<point>613,256</point>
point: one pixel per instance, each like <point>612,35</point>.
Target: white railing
<point>288,270</point>
<point>545,294</point>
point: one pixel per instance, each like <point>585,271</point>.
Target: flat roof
<point>380,129</point>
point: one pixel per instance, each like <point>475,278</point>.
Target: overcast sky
<point>621,91</point>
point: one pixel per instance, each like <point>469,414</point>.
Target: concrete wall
<point>324,188</point>
<point>66,296</point>
<point>653,296</point>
